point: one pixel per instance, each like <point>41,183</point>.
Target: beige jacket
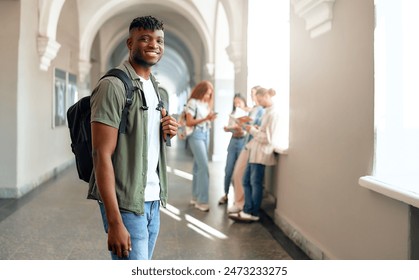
<point>265,138</point>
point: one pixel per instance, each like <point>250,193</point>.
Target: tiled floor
<point>57,222</point>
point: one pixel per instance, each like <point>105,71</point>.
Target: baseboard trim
<point>18,192</point>
<point>304,244</point>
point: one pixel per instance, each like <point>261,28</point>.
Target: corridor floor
<point>57,222</point>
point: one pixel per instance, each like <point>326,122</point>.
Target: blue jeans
<point>143,230</point>
<point>198,142</point>
<point>253,179</point>
<point>233,151</point>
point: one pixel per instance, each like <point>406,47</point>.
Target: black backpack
<point>78,116</point>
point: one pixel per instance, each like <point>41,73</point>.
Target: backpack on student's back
<point>183,130</point>
<point>78,116</point>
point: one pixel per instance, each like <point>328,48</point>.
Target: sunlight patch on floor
<point>205,227</point>
<point>201,232</point>
<point>193,223</point>
<point>170,214</point>
<point>180,173</point>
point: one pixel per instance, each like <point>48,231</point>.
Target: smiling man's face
<point>146,46</point>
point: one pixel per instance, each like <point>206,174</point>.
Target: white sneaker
<point>246,216</point>
<point>203,207</point>
<point>233,209</point>
<point>192,202</point>
<point>243,217</point>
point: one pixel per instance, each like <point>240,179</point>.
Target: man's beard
<point>140,61</point>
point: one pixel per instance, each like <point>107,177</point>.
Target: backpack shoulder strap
<point>129,89</point>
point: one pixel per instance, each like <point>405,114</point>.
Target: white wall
<point>319,202</point>
<point>41,150</point>
<point>9,38</point>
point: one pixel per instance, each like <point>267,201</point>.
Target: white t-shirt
<point>152,190</point>
<point>199,110</point>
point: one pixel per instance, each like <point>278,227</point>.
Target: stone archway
<point>92,24</point>
<point>49,12</point>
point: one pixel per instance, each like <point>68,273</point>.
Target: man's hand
<point>119,240</point>
<point>169,124</point>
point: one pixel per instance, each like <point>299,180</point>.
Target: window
<point>397,96</point>
<point>269,54</point>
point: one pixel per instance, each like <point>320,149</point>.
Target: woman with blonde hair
<point>199,114</point>
<point>261,153</point>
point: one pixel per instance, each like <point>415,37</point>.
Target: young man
<point>130,179</point>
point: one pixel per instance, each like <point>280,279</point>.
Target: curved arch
<point>115,6</point>
<point>234,10</point>
<point>111,46</point>
<point>184,39</point>
<point>186,54</point>
<point>117,38</point>
<point>49,12</point>
<point>234,17</point>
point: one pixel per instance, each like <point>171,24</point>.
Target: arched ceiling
<point>182,24</point>
<point>174,71</point>
<point>188,46</point>
<point>189,28</point>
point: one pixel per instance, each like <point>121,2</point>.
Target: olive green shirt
<point>130,156</point>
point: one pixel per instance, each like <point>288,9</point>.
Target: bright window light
<point>397,94</point>
<point>269,54</point>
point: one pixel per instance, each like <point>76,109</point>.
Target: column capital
<point>235,53</point>
<point>318,15</point>
<point>47,51</point>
